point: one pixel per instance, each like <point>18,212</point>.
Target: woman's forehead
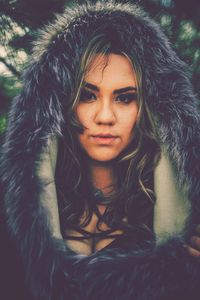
<point>107,68</point>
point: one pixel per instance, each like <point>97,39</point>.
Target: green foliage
<point>10,86</point>
<point>3,123</point>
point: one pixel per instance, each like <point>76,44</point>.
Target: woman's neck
<point>102,176</point>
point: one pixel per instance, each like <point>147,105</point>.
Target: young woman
<point>100,165</point>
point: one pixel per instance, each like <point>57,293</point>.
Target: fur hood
<point>36,120</point>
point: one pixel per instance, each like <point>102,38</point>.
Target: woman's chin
<point>102,157</point>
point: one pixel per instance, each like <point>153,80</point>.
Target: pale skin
<point>108,109</point>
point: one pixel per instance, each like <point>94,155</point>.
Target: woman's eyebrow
<point>118,91</point>
<point>125,89</point>
<point>91,86</point>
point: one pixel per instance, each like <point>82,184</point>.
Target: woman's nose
<point>105,114</point>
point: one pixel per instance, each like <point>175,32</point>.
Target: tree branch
<point>10,67</point>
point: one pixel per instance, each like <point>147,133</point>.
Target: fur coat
<point>50,270</point>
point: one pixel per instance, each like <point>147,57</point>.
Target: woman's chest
<point>95,240</point>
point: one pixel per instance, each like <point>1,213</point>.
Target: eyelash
<point>87,96</point>
<point>127,98</point>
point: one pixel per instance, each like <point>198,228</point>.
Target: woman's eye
<point>87,96</point>
<point>126,98</point>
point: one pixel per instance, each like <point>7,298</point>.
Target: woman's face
<point>107,107</point>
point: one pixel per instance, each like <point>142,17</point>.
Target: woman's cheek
<point>84,115</point>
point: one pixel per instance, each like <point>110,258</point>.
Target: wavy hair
<point>130,206</point>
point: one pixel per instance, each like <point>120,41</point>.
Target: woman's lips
<point>104,139</point>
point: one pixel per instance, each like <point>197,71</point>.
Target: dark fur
<point>52,271</point>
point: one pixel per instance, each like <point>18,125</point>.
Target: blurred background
<point>20,20</point>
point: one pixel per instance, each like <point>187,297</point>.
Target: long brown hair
<point>134,198</point>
